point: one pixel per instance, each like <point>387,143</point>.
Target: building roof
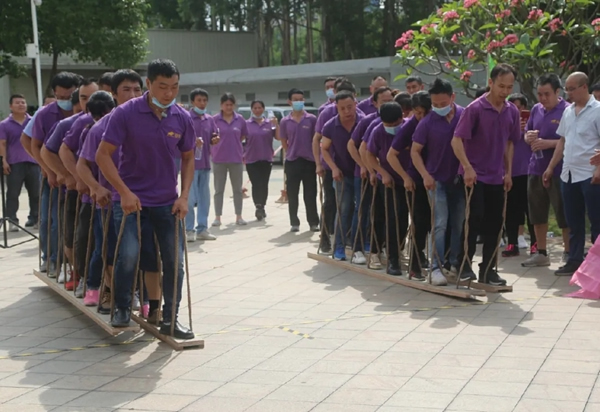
<point>378,65</point>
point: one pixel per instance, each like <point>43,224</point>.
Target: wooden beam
<point>450,290</point>
<point>177,344</point>
<point>90,311</point>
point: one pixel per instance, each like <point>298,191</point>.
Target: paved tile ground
<point>367,350</point>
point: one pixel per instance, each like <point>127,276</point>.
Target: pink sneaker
<point>145,310</point>
<point>91,298</point>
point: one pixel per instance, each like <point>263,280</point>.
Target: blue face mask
<point>163,106</point>
<point>199,111</point>
<point>65,105</point>
<point>442,111</point>
<point>330,93</point>
<point>298,106</point>
<point>257,117</point>
<point>392,130</point>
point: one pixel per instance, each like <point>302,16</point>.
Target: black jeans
<point>23,173</point>
<point>296,172</point>
<point>485,219</point>
<point>82,238</point>
<point>422,221</point>
<point>387,230</point>
<point>517,210</point>
<point>259,174</point>
<point>329,206</point>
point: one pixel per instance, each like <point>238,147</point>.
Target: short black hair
<point>502,69</point>
<point>106,79</point>
<point>595,88</point>
<point>340,80</point>
<point>293,92</point>
<point>124,74</point>
<point>75,97</point>
<point>162,67</point>
<point>87,81</point>
<point>329,79</point>
<point>100,104</point>
<point>404,100</point>
<point>441,86</point>
<point>550,78</point>
<point>518,97</point>
<point>390,112</point>
<point>343,95</point>
<point>228,97</point>
<point>421,99</point>
<point>15,96</point>
<point>262,104</point>
<point>346,86</point>
<point>413,78</point>
<point>480,92</point>
<point>380,91</point>
<point>198,92</point>
<point>66,80</point>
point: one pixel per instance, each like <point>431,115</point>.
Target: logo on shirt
<point>305,127</point>
<point>174,135</point>
<point>237,129</point>
<point>555,121</point>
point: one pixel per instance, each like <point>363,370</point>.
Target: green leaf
<point>525,39</point>
<point>400,77</point>
<point>520,47</point>
<point>544,53</point>
<point>488,26</point>
<point>534,43</point>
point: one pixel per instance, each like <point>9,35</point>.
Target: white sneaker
<point>206,235</point>
<point>502,243</point>
<point>216,223</point>
<point>438,278</point>
<point>61,277</point>
<point>79,290</point>
<point>536,260</point>
<point>358,258</point>
<point>522,242</point>
<point>12,227</point>
<point>241,222</point>
<point>375,263</point>
<point>191,236</point>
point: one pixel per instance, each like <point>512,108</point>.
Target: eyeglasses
<point>572,89</point>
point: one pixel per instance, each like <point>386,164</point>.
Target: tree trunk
<point>286,55</point>
<point>295,31</point>
<point>324,35</point>
<point>309,33</point>
<point>53,72</point>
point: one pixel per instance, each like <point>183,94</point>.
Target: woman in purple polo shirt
<point>258,155</point>
<point>227,157</point>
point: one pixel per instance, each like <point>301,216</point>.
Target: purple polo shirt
<point>547,123</point>
<point>402,143</point>
<point>229,149</point>
<point>204,125</point>
<point>339,136</point>
<point>367,106</point>
<point>324,105</point>
<point>90,147</point>
<point>59,131</point>
<point>259,142</point>
<point>329,113</point>
<point>435,133</point>
<point>72,137</point>
<point>359,134</point>
<point>521,157</point>
<point>11,130</point>
<point>485,132</point>
<point>148,148</point>
<point>45,118</point>
<point>85,198</point>
<point>379,144</point>
<point>299,136</point>
<point>367,135</point>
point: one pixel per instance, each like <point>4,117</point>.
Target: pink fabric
<point>587,276</point>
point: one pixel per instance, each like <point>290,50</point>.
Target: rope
<point>105,217</point>
<point>88,251</point>
<point>75,224</point>
<point>387,231</point>
<point>324,231</point>
<point>39,222</point>
<point>468,196</point>
<point>431,196</point>
<point>338,218</point>
<point>395,200</point>
<point>61,233</point>
<point>175,277</point>
<point>495,254</point>
<point>363,191</point>
<point>49,231</point>
<point>160,275</point>
<point>187,276</point>
<point>373,235</point>
<point>410,201</point>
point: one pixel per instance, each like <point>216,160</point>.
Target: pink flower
<point>399,43</point>
<point>596,24</point>
<point>554,24</point>
<point>571,67</point>
<point>454,39</point>
<point>448,65</point>
<point>510,39</point>
<point>535,14</point>
<point>503,14</point>
<point>488,35</point>
<point>450,15</point>
<point>405,38</point>
<point>471,3</point>
<point>471,54</point>
<point>562,64</point>
<point>466,76</point>
<point>440,12</point>
<point>406,47</point>
<point>428,28</point>
<point>494,44</point>
<point>564,32</point>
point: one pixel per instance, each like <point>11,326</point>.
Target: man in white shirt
<point>580,138</point>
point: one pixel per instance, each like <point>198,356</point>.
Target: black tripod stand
<point>5,220</point>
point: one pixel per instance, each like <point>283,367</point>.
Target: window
<point>185,98</point>
<point>250,97</point>
<point>365,91</point>
<point>282,96</point>
<point>307,94</point>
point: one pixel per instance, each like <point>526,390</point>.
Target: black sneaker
<point>467,274</point>
<point>30,223</point>
<point>258,214</point>
<point>424,260</point>
<point>393,268</point>
<point>179,332</point>
<point>121,318</point>
<point>325,245</point>
<point>493,278</point>
<point>567,270</point>
<point>416,274</point>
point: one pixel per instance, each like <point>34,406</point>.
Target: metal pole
<point>36,42</point>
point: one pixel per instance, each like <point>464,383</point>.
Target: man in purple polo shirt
<point>414,84</point>
<point>17,165</point>
<point>336,134</point>
<point>105,82</point>
<point>205,127</point>
<point>541,135</point>
<point>439,170</point>
<point>390,188</point>
<point>368,105</point>
<point>483,143</point>
<point>329,92</point>
<point>296,132</point>
<point>63,85</point>
<point>155,128</point>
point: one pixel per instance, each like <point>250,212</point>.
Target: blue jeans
<point>96,264</point>
<point>44,218</point>
<point>577,197</point>
<point>364,205</point>
<point>199,195</point>
<point>344,192</point>
<point>449,213</point>
<point>128,254</point>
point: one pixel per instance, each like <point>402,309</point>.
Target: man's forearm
<point>508,157</point>
<point>53,162</point>
<point>459,151</point>
<point>68,159</point>
<point>354,153</point>
<point>187,173</point>
<point>558,154</point>
<point>109,170</point>
<point>36,148</point>
<point>362,151</point>
<point>392,158</point>
<point>3,149</point>
<point>316,146</point>
<point>328,159</point>
<point>85,173</point>
<point>418,162</point>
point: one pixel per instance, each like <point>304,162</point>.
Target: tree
<point>535,36</point>
<point>13,36</point>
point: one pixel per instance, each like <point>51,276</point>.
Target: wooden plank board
<point>90,311</point>
<point>177,344</point>
<point>363,270</point>
<point>481,286</point>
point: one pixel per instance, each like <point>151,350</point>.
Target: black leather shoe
<point>30,223</point>
<point>394,268</point>
<point>180,331</point>
<point>121,318</point>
